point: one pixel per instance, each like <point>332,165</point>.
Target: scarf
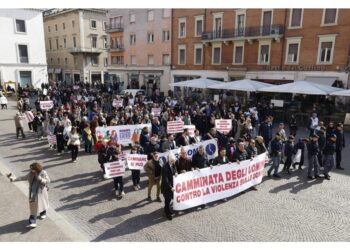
<point>34,189</point>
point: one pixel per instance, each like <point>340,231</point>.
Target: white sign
<point>223,125</point>
<point>156,111</point>
<point>174,127</point>
<point>297,157</point>
<point>191,129</point>
<point>347,119</point>
<point>124,134</point>
<point>117,103</point>
<point>136,161</point>
<point>210,149</point>
<point>76,87</point>
<point>114,169</point>
<point>277,103</point>
<point>46,105</point>
<point>201,187</point>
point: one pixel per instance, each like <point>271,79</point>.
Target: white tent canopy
<point>242,85</point>
<point>341,93</point>
<point>302,87</point>
<point>199,83</point>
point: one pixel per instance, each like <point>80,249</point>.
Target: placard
<point>114,169</point>
<point>174,127</point>
<point>46,105</point>
<point>223,125</point>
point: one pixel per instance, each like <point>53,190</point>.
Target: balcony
<point>116,48</point>
<point>249,33</point>
<point>116,27</point>
<point>85,50</point>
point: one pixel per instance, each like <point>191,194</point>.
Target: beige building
<point>76,44</point>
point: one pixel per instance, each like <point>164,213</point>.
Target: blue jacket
<point>276,147</point>
<point>266,131</point>
<point>289,149</point>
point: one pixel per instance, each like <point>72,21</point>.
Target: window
<point>132,39</point>
<point>166,59</point>
<point>23,53</point>
<point>74,42</point>
<point>66,61</point>
<point>51,60</point>
<point>25,78</point>
<point>166,35</point>
<point>295,19</point>
<point>57,44</point>
<point>240,22</point>
<point>133,60</point>
<point>116,22</point>
<point>49,28</point>
<point>216,58</point>
<point>198,26</point>
<point>325,49</point>
<point>293,48</point>
<point>93,24</point>
<point>217,25</point>
<point>329,17</point>
<point>238,53</point>
<point>198,48</point>
<point>150,15</point>
<point>50,44</point>
<point>56,28</point>
<point>266,22</point>
<point>64,43</point>
<point>63,26</point>
<point>94,42</point>
<point>132,18</point>
<point>20,26</point>
<point>264,54</point>
<point>105,42</point>
<point>94,60</point>
<point>150,38</point>
<point>150,60</point>
<point>104,25</point>
<point>166,13</point>
<point>106,62</point>
<point>73,23</point>
<point>182,54</point>
<point>58,61</point>
<point>117,60</point>
<point>182,28</point>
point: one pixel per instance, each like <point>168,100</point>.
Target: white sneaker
<point>42,217</point>
<point>105,177</point>
<point>74,161</point>
<point>58,153</point>
<point>138,186</point>
<point>117,193</point>
<point>32,225</point>
<point>122,193</point>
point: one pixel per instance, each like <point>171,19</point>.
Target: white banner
<point>223,125</point>
<point>156,111</point>
<point>174,127</point>
<point>210,149</point>
<point>297,157</point>
<point>114,169</point>
<point>46,105</point>
<point>117,103</point>
<point>191,129</point>
<point>136,161</point>
<point>201,187</point>
<point>124,134</point>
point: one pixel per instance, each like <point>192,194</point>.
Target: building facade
<point>76,44</point>
<point>140,48</point>
<point>270,45</point>
<point>22,57</point>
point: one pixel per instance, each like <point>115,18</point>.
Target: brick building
<point>140,48</point>
<point>271,45</point>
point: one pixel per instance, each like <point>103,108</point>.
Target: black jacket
<point>289,150</point>
<point>241,155</point>
<point>276,147</point>
<point>340,142</point>
<point>220,160</point>
<point>312,148</point>
<point>167,180</point>
<point>330,147</point>
<point>199,161</point>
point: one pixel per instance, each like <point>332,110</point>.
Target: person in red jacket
<point>99,143</point>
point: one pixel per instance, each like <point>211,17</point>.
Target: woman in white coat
<point>38,196</point>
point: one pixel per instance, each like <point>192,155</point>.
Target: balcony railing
<point>118,48</point>
<point>247,32</point>
<point>86,50</point>
<point>116,27</point>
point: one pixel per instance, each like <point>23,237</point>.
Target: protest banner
<point>210,148</point>
<point>174,127</point>
<point>114,169</point>
<point>156,111</point>
<point>136,161</point>
<point>223,125</point>
<point>191,129</point>
<point>76,87</point>
<point>124,134</point>
<point>117,103</point>
<point>52,139</point>
<point>29,116</point>
<point>207,185</point>
<point>46,105</point>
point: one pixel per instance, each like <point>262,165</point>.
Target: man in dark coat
<point>340,144</point>
<point>200,160</point>
<point>167,186</point>
<point>276,153</point>
<point>241,154</point>
<point>321,143</point>
<point>328,152</point>
<point>266,131</point>
<point>288,153</point>
<point>144,138</point>
<point>312,151</point>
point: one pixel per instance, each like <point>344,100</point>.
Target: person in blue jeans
<point>329,156</point>
<point>276,153</point>
<point>313,151</point>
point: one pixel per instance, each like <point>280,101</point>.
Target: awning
<point>58,71</point>
<point>327,81</point>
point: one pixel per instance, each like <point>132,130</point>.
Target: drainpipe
<point>204,30</point>
<point>283,40</point>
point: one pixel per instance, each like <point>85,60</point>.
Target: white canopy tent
<point>199,83</point>
<point>302,87</point>
<point>242,85</point>
<point>341,93</point>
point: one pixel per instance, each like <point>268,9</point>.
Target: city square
<point>174,125</point>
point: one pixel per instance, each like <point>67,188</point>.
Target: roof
<point>56,12</point>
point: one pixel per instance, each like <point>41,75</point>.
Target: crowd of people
<point>78,110</point>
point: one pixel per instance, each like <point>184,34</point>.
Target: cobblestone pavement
<point>289,209</point>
